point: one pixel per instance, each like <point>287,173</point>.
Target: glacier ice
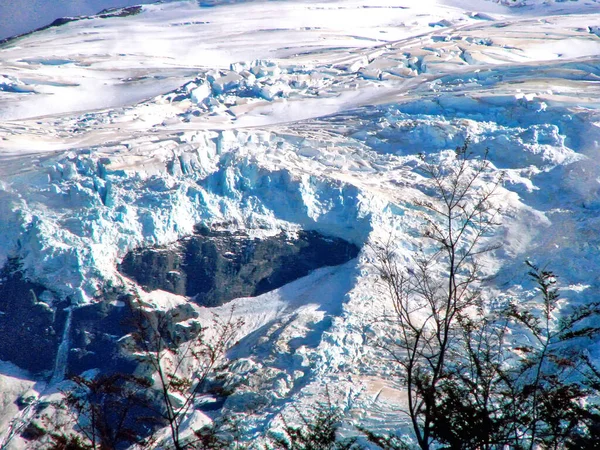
<point>312,124</point>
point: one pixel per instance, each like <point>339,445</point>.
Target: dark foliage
<point>318,432</point>
<point>475,379</point>
<point>71,442</point>
<point>110,412</point>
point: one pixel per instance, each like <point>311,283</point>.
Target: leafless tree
<point>549,376</point>
<point>182,364</point>
<point>318,430</point>
<point>480,379</point>
<point>441,287</point>
<point>106,411</point>
<point>100,412</point>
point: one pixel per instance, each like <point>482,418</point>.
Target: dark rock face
<point>29,334</point>
<point>215,267</point>
<point>31,330</point>
<point>210,267</point>
<point>95,330</point>
<point>120,12</point>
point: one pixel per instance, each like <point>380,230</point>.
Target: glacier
<point>120,133</point>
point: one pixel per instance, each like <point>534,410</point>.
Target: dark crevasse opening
<point>213,267</point>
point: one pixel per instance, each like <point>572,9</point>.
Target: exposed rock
<point>33,431</point>
<point>210,267</point>
<point>95,331</point>
<point>104,14</point>
<point>98,327</point>
<point>29,329</point>
<point>119,12</point>
<point>215,267</point>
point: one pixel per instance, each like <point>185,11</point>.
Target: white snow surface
<point>268,116</point>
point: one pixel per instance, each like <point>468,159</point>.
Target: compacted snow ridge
<point>127,132</point>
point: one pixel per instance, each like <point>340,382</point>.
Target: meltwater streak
<point>22,420</point>
<point>62,355</point>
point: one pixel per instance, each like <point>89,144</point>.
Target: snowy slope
<point>124,132</point>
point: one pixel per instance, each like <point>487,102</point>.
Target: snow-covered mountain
<point>123,136</point>
<point>17,18</point>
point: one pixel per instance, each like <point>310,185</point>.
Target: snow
<point>125,132</point>
<point>22,17</point>
<point>14,383</point>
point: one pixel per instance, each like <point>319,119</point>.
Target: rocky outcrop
<point>209,267</point>
<point>215,267</point>
<point>30,330</point>
<point>95,331</point>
